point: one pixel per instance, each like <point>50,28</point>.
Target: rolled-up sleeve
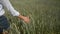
<point>8,5</point>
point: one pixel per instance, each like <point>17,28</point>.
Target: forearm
<point>10,8</point>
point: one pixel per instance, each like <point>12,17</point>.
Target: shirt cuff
<point>15,13</point>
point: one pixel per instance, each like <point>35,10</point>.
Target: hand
<point>26,19</point>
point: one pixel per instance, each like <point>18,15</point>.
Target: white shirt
<point>7,4</point>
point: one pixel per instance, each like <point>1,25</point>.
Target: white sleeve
<point>8,5</point>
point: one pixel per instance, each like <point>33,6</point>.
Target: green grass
<point>44,17</point>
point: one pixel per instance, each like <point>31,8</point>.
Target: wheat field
<point>44,17</point>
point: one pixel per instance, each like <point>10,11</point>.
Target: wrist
<point>20,16</point>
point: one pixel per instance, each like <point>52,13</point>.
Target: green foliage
<point>44,17</point>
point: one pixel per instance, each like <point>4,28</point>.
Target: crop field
<point>44,17</point>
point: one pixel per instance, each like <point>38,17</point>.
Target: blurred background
<point>44,17</point>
